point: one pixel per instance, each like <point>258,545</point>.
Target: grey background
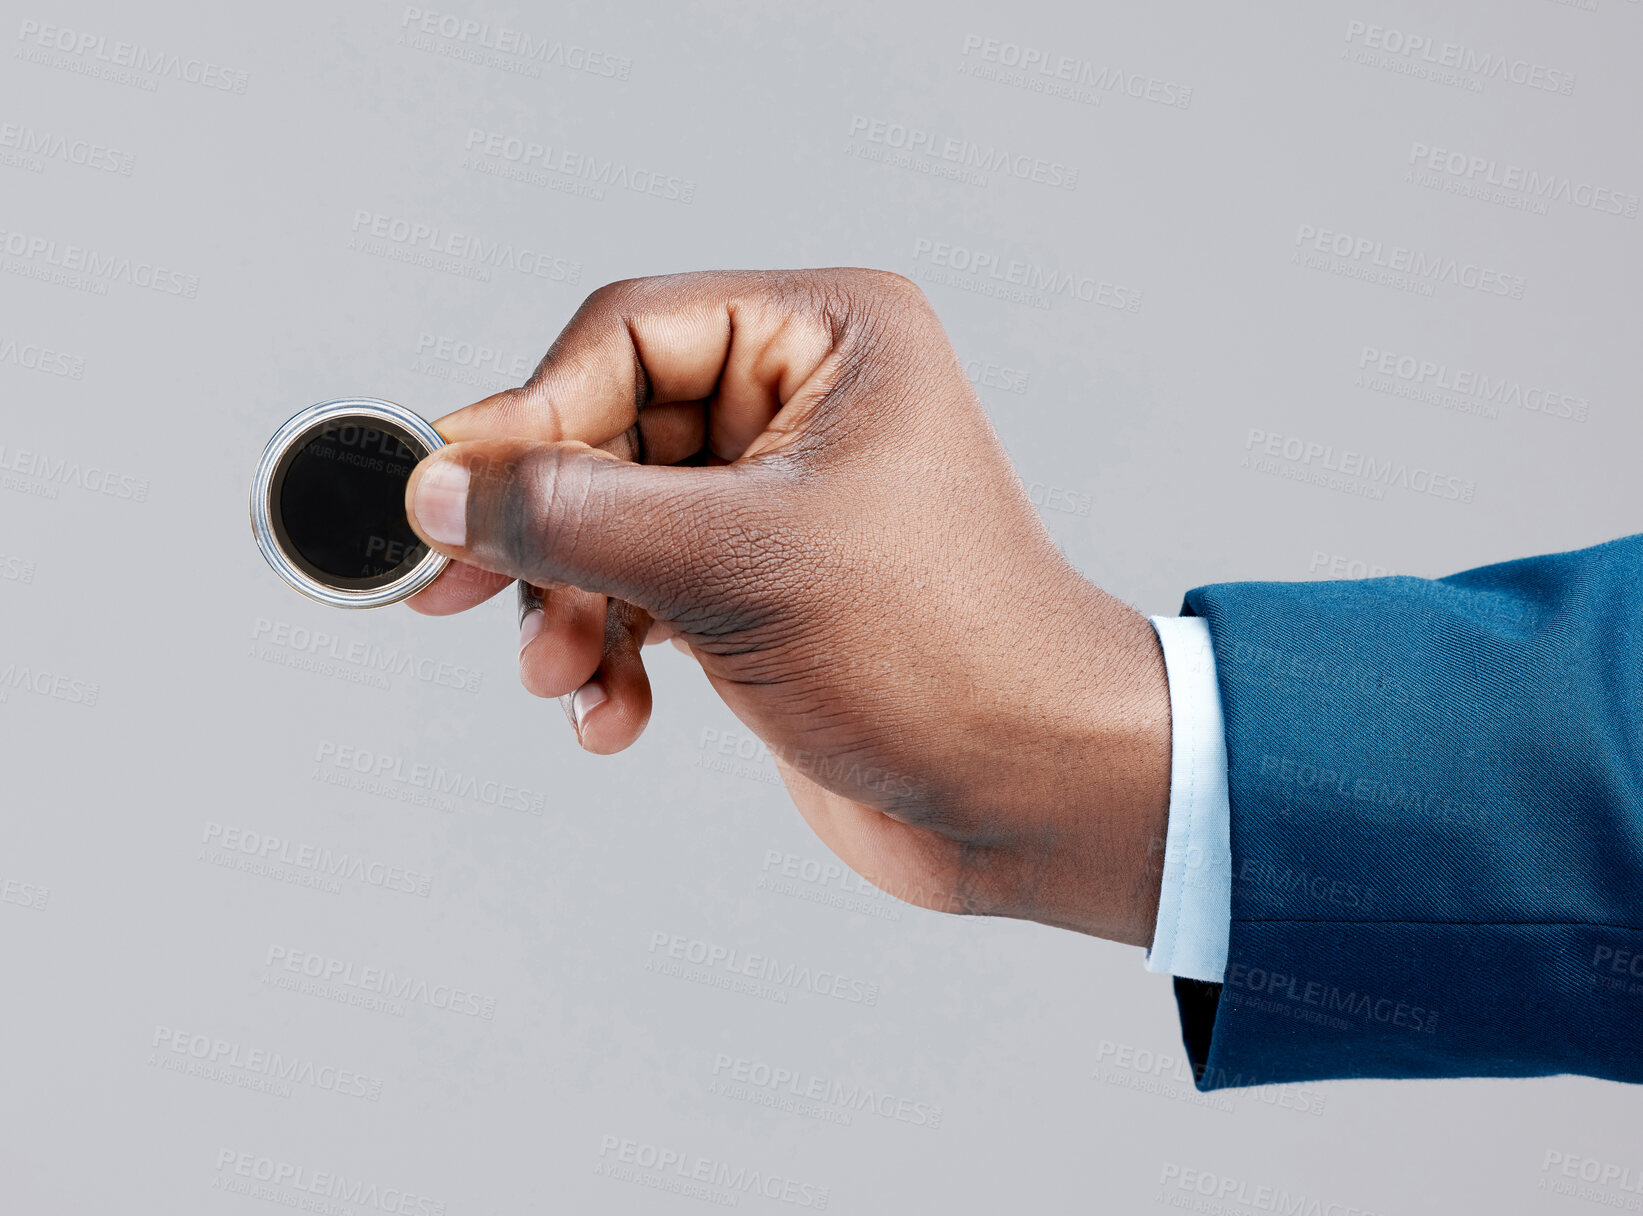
<point>1054,1060</point>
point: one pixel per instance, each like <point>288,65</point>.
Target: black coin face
<point>339,502</point>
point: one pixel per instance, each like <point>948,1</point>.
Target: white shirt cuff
<point>1195,905</point>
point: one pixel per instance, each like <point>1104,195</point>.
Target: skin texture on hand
<point>789,476</point>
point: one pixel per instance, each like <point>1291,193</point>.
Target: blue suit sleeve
<point>1436,788</point>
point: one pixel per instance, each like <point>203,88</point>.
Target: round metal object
<point>327,503</point>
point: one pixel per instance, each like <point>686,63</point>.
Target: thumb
<point>563,513</point>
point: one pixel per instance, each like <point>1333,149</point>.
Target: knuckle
<point>887,287</point>
<point>895,284</point>
<point>612,297</point>
<point>873,310</point>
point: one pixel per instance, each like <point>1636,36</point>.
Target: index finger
<point>746,340</point>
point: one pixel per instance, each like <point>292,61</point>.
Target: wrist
<point>1091,806</point>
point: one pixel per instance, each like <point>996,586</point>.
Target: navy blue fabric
<point>1437,825</point>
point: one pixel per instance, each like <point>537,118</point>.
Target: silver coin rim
<point>407,585</point>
